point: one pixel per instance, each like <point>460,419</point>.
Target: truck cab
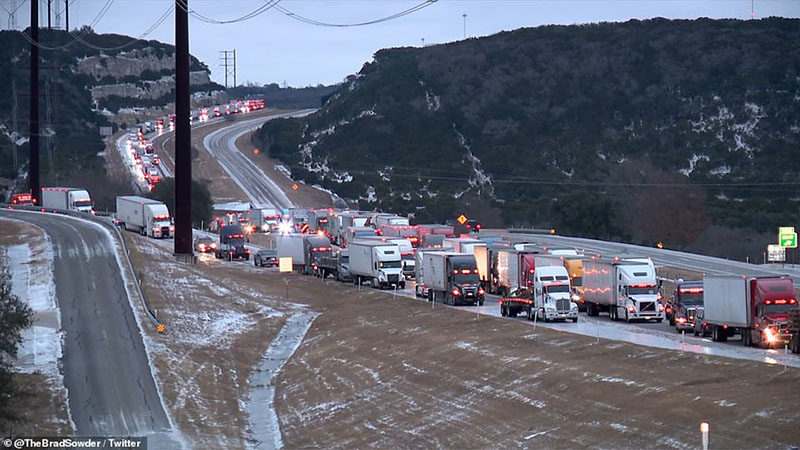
<point>231,244</point>
<point>772,298</point>
<point>552,294</point>
<point>316,247</point>
<point>637,291</point>
<point>683,305</point>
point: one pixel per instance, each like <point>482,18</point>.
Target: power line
<point>320,23</point>
<point>256,12</point>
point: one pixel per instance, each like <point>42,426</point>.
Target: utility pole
<point>234,68</point>
<point>183,136</point>
<point>465,24</point>
<point>48,14</point>
<point>33,163</point>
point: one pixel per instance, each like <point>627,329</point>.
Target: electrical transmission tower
<point>227,59</point>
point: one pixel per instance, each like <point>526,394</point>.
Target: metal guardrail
<point>550,231</point>
<point>102,219</point>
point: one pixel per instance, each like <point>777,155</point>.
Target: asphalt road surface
<point>260,189</point>
<point>106,370</point>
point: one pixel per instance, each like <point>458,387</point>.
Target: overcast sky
<point>272,47</point>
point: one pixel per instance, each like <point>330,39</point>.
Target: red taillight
<point>631,309</point>
<point>247,251</point>
<point>724,327</point>
<point>214,245</point>
<point>659,296</point>
<point>530,270</point>
<point>481,291</point>
<point>680,320</point>
<point>456,292</point>
<point>792,301</point>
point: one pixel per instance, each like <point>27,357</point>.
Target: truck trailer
<point>231,244</point>
<point>515,269</point>
<point>291,245</point>
<point>73,199</point>
<point>756,307</point>
<point>624,288</point>
<point>144,215</point>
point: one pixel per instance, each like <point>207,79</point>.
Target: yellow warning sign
<point>295,186</point>
<point>161,328</point>
<point>285,264</point>
<point>462,219</point>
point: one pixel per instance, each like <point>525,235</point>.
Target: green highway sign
<point>787,240</point>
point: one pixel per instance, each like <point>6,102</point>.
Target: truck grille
<point>563,304</point>
<point>647,307</point>
<point>393,278</point>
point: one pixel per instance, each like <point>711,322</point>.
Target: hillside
<point>643,131</point>
<point>82,88</point>
<point>286,97</point>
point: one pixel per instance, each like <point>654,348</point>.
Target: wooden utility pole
<point>183,135</point>
<point>33,121</point>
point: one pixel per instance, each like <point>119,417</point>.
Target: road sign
<point>787,239</point>
<point>785,230</point>
<point>161,328</point>
<point>660,245</point>
<point>295,186</point>
<point>285,264</point>
<point>776,253</point>
<point>462,219</point>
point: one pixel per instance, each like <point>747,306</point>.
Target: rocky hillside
<point>648,131</point>
<point>83,88</point>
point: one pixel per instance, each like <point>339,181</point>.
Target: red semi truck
<point>758,308</point>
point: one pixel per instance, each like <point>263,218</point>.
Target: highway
<point>106,368</point>
<point>660,257</point>
<point>260,189</point>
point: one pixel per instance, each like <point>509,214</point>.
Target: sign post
<point>787,237</point>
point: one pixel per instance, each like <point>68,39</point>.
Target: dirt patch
<point>219,323</point>
<point>305,195</point>
<point>40,403</point>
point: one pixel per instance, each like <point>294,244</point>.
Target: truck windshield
<point>466,278</point>
<point>390,265</point>
<point>778,307</point>
<point>692,299</point>
<point>638,290</point>
<point>344,259</point>
<point>235,241</point>
<point>553,289</point>
<point>82,203</point>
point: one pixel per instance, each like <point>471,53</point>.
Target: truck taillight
<point>481,291</point>
<point>247,251</point>
<point>661,308</point>
<point>456,292</point>
<point>631,309</point>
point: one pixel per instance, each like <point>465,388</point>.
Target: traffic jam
<point>459,265</point>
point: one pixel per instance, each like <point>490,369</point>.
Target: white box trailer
<point>291,245</point>
<point>377,262</point>
<point>144,215</point>
<point>345,220</point>
<point>73,199</point>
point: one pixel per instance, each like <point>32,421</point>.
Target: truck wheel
<point>503,311</point>
<point>747,339</point>
<point>612,313</point>
<point>512,312</point>
<point>795,343</point>
<point>627,317</point>
<point>529,314</point>
<point>402,285</point>
<point>575,320</point>
<point>480,303</point>
<point>659,320</point>
<point>696,333</point>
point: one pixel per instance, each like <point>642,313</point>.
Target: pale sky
<point>272,47</point>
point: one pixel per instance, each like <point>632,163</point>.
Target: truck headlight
<point>576,297</point>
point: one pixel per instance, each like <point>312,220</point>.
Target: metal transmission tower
<point>465,24</point>
<point>227,59</point>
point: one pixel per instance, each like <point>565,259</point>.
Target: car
<point>268,258</point>
<point>701,328</point>
<point>205,244</point>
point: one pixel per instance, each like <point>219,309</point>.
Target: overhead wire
<point>320,23</point>
<point>256,12</point>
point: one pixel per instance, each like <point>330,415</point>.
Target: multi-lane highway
<point>259,188</point>
<point>106,368</point>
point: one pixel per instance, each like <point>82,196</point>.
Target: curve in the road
<point>221,145</point>
<point>106,368</point>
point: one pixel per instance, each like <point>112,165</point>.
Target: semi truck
<point>264,220</point>
<point>757,308</point>
<point>231,244</point>
<point>377,262</point>
<point>345,220</point>
<point>318,220</point>
<point>550,298</point>
<point>315,247</point>
<point>452,278</point>
<point>682,306</point>
<point>404,232</point>
<point>574,266</point>
<point>515,269</point>
<point>420,288</point>
<point>73,199</point>
<point>290,245</point>
<point>336,264</point>
<point>354,233</point>
<point>625,288</point>
<point>406,253</point>
<point>147,216</point>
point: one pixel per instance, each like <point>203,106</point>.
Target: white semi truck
<point>73,199</point>
<point>626,289</point>
<point>144,215</point>
<point>378,262</point>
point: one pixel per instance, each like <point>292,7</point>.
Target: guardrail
<point>103,219</point>
<point>532,230</point>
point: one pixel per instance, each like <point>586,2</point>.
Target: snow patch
<point>693,162</point>
<point>720,171</point>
